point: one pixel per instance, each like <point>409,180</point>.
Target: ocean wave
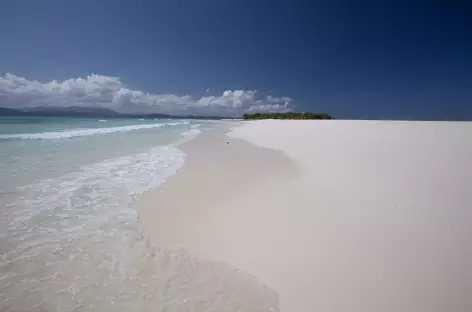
<point>74,243</point>
<point>83,221</point>
<point>67,134</point>
<point>192,132</point>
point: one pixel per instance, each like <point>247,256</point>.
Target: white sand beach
<point>331,215</point>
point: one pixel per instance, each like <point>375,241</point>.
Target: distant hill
<point>87,112</point>
<point>10,112</point>
<point>78,111</point>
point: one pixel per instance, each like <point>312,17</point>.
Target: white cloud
<point>110,92</point>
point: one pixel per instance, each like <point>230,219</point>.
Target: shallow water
<point>69,239</point>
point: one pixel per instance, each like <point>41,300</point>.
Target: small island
<point>291,115</point>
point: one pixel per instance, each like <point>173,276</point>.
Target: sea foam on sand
<point>358,216</point>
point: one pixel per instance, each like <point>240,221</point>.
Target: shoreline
<point>178,204</point>
<point>331,215</point>
<point>211,169</point>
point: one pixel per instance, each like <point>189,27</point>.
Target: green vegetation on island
<point>306,115</point>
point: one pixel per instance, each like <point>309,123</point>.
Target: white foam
<point>192,132</point>
<point>78,229</point>
<point>177,123</point>
<point>67,134</point>
<point>73,243</point>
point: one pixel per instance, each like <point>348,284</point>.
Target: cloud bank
<point>110,92</point>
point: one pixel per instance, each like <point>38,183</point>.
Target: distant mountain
<point>148,116</point>
<point>164,116</point>
<point>74,111</point>
<point>10,112</point>
<point>88,112</point>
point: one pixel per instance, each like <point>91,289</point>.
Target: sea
<point>69,240</point>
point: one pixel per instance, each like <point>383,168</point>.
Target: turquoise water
<point>66,186</point>
<point>38,148</point>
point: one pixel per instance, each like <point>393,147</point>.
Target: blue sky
<point>353,59</point>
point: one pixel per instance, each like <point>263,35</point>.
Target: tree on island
<point>306,115</point>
